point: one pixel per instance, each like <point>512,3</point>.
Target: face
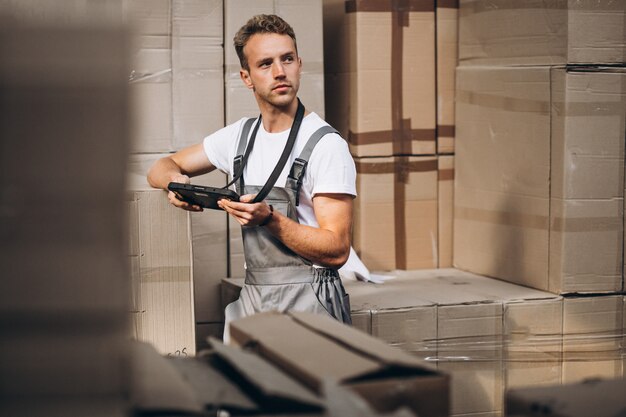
<point>275,68</point>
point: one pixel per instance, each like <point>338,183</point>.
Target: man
<point>299,235</point>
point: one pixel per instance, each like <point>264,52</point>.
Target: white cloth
<point>330,169</point>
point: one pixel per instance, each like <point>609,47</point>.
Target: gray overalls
<point>276,277</point>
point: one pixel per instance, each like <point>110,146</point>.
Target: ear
<point>245,77</point>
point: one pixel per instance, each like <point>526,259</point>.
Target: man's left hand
<point>246,213</point>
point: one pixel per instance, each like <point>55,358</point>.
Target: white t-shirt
<point>330,169</point>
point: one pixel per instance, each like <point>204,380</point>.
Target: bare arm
<point>179,167</point>
<point>328,245</point>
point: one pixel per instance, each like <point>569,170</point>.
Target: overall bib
<point>276,277</point>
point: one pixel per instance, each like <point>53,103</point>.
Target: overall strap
<point>298,168</point>
<point>242,153</point>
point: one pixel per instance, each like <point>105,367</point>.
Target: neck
<point>278,119</point>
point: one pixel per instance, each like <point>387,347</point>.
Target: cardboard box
<point>447,15</point>
<point>395,213</point>
<point>601,398</point>
<point>305,17</point>
<point>177,72</point>
<point>539,176</point>
<point>508,32</point>
<point>592,338</point>
<point>209,239</point>
<point>383,78</point>
<point>321,348</point>
<point>462,322</point>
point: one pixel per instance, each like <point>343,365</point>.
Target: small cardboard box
<point>320,348</point>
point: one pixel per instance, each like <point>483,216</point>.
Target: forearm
<point>320,246</point>
<point>163,172</point>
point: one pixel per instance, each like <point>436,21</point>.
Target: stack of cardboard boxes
<point>389,91</point>
<point>64,136</point>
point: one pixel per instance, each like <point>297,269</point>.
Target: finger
<point>247,198</point>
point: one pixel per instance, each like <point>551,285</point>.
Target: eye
<point>289,58</point>
<point>265,64</point>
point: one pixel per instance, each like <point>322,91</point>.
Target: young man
<point>299,235</point>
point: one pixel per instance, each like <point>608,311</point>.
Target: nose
<point>279,70</point>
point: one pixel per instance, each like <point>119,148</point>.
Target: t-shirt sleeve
<point>220,147</point>
<point>331,168</point>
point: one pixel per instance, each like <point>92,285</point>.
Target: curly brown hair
<point>261,23</point>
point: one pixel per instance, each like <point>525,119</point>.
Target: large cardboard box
<point>209,240</point>
<point>177,72</point>
<point>321,348</point>
<point>539,176</point>
<point>395,214</point>
<point>382,77</point>
<point>305,17</point>
<point>447,13</point>
<point>458,320</point>
<point>445,207</point>
<point>537,32</point>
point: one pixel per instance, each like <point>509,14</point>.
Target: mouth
<point>281,87</point>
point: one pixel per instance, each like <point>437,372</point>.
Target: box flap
<point>311,354</point>
<point>360,342</point>
<point>212,388</point>
<point>307,355</point>
<point>276,390</point>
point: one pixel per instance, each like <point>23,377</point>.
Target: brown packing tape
<point>557,224</point>
<point>400,168</point>
<point>385,136</point>
<point>448,4</point>
<point>501,217</point>
<point>448,131</point>
<point>445,174</point>
<point>353,6</point>
<point>503,102</point>
<point>479,6</point>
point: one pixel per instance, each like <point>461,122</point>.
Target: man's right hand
<point>173,197</point>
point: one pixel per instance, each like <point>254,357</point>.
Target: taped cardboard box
<point>385,47</point>
<point>539,176</point>
<point>596,397</point>
<point>395,216</point>
<point>176,78</point>
<point>209,239</point>
<point>321,348</point>
<point>536,32</point>
<point>305,17</point>
<point>447,13</point>
<point>458,321</point>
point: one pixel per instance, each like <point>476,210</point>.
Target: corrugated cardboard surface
<point>447,54</point>
<point>539,170</point>
<point>537,32</point>
<point>395,222</point>
<point>177,72</point>
<point>209,240</point>
<point>383,75</point>
<point>321,348</point>
<point>305,17</point>
<point>492,335</point>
